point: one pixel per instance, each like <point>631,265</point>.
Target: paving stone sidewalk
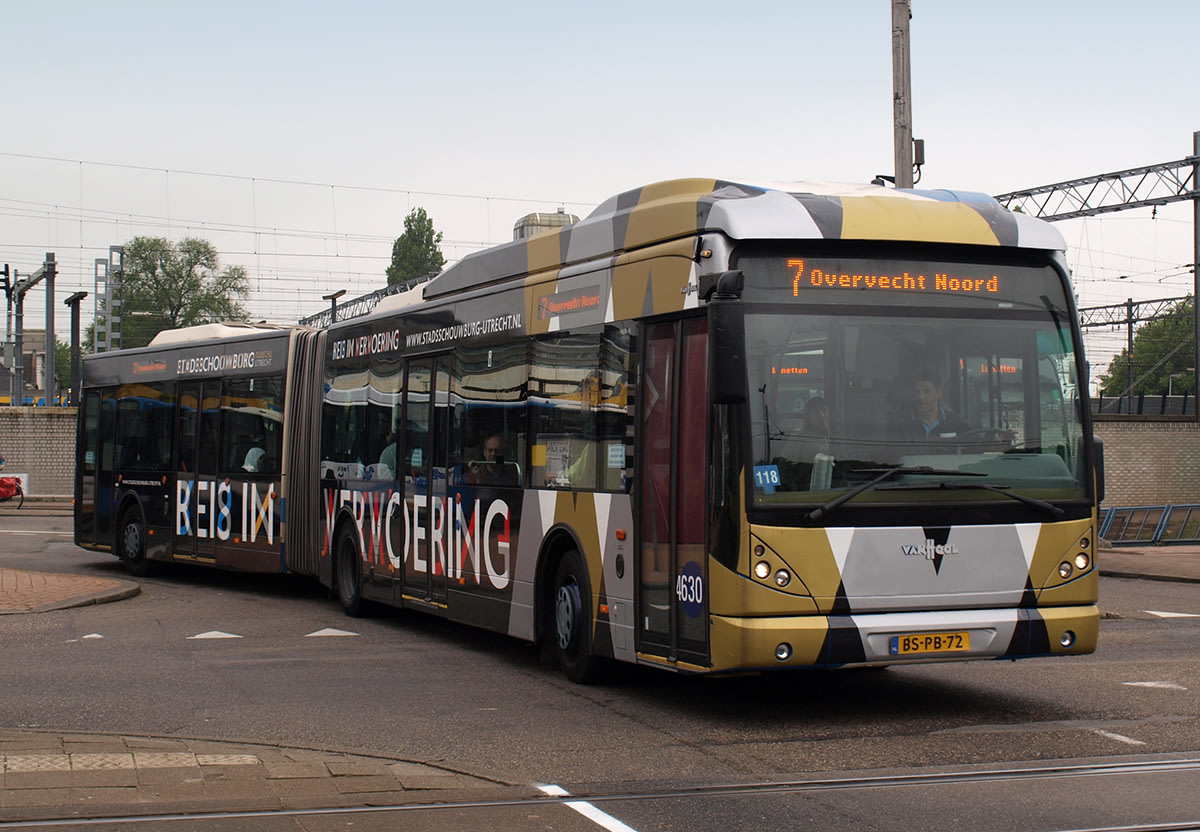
<point>24,591</point>
<point>48,774</point>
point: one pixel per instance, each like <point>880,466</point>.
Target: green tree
<point>415,252</point>
<point>1163,356</point>
<point>166,285</point>
<point>62,363</point>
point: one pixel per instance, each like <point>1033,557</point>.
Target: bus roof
<point>803,210</point>
<point>210,332</point>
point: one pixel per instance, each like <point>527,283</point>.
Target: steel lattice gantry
<point>1108,192</point>
<point>1134,188</point>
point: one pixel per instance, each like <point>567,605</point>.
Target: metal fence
<point>1150,525</point>
<point>1144,405</point>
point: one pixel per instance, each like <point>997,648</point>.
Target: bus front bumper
<point>901,638</point>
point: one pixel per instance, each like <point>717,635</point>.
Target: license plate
<point>930,643</point>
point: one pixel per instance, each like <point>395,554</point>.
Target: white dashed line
<point>1162,685</point>
<point>330,631</point>
<point>1162,614</point>
<point>587,810</point>
<point>212,634</point>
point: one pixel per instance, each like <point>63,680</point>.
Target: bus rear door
<point>196,499</point>
<point>427,392</point>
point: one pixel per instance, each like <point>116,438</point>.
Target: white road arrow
<point>330,631</point>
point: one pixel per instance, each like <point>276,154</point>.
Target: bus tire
<point>347,573</point>
<point>571,614</point>
<point>133,544</point>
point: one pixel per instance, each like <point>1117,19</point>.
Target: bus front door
<point>427,393</point>
<point>673,580</point>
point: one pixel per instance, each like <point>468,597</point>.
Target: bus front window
<point>984,397</point>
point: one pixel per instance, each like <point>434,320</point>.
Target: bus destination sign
<point>807,274</point>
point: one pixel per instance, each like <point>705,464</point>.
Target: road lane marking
<point>1162,685</point>
<point>1119,737</point>
<point>1162,614</point>
<point>330,631</point>
<point>587,810</point>
<point>212,634</point>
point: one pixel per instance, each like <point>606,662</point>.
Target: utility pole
<point>76,375</point>
<point>8,344</point>
<point>1196,265</point>
<point>902,93</point>
<point>49,377</point>
<point>47,271</point>
<point>332,297</point>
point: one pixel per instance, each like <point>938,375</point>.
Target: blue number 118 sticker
<point>766,477</point>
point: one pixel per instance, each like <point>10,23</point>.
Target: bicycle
<point>10,489</point>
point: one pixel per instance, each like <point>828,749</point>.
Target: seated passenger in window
<point>253,457</point>
<point>491,468</point>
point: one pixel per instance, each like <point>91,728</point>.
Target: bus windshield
<point>962,377</point>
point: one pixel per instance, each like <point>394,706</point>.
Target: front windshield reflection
<point>835,398</point>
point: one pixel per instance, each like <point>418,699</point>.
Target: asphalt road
<point>1038,744</point>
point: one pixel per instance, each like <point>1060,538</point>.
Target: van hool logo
<point>929,550</point>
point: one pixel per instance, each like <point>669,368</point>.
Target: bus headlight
<point>761,570</point>
<point>1082,561</point>
<point>783,578</point>
<point>1065,569</point>
<point>783,651</point>
<point>1067,639</point>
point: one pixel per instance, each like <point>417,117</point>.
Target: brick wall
<point>1150,462</point>
<point>40,442</point>
<point>1147,462</point>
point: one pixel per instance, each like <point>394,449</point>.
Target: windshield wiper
<point>995,489</point>
<point>884,474</point>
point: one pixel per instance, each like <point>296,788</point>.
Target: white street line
<point>1162,685</point>
<point>1162,614</point>
<point>1119,737</point>
<point>587,810</point>
<point>212,634</point>
<point>39,534</point>
<point>330,631</point>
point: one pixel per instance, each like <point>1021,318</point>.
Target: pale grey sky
<point>296,136</point>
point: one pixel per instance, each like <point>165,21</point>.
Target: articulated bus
<point>713,427</point>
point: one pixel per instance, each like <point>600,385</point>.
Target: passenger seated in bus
<point>795,448</point>
<point>253,457</point>
<point>369,444</point>
<point>930,419</point>
<point>387,459</point>
<point>492,469</point>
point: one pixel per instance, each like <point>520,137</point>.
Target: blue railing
<point>1150,525</point>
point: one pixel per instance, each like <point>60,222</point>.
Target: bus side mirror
<point>727,341</point>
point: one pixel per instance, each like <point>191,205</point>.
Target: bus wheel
<point>133,544</point>
<point>348,573</point>
<point>572,621</point>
